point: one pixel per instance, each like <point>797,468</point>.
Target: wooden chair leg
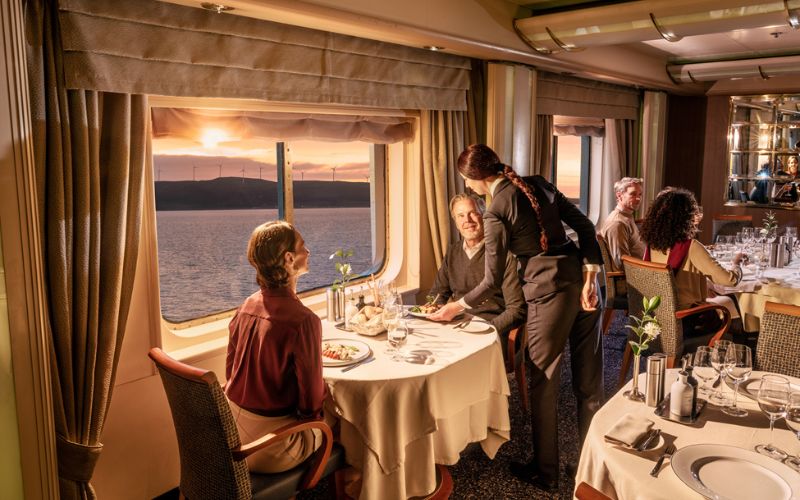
<point>445,484</point>
<point>608,315</point>
<point>627,357</point>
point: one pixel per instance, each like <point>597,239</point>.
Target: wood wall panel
<point>683,157</point>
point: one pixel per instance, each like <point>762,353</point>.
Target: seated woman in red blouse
<point>274,364</point>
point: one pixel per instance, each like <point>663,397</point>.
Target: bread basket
<point>368,321</point>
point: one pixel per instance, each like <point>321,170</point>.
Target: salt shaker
<point>656,370</point>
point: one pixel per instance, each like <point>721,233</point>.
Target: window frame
<point>584,189</point>
<point>400,233</point>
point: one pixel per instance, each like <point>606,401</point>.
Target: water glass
<point>793,421</point>
<point>773,398</point>
<point>738,366</point>
<point>397,337</point>
<point>703,369</point>
<point>391,319</point>
<point>717,358</point>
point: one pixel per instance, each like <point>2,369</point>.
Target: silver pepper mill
<point>656,371</point>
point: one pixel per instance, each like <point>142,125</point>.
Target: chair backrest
<point>729,225</point>
<point>647,279</point>
<point>778,347</point>
<point>608,265</point>
<point>206,432</point>
<point>586,492</point>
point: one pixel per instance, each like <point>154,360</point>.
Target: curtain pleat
<point>476,103</point>
<point>89,150</point>
<point>620,156</point>
<point>543,147</point>
<point>442,137</point>
<point>159,48</point>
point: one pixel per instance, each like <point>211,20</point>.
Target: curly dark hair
<point>671,218</point>
<point>266,249</point>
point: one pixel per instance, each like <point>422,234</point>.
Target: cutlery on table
<point>667,453</point>
<point>649,439</point>
<point>420,334</point>
<point>356,365</point>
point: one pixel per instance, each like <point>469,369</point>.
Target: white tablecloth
<point>623,474</point>
<point>780,285</point>
<point>400,419</point>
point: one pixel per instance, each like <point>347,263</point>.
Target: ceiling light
<point>215,7</point>
<point>434,48</point>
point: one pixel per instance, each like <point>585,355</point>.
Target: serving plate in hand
<point>728,473</point>
<point>359,350</point>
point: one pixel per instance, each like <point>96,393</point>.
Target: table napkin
<point>629,430</point>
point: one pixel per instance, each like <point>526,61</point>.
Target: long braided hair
<point>478,162</point>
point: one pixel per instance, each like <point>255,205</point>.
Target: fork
<point>667,453</point>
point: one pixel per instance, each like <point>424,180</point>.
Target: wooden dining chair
<point>586,492</point>
<point>212,456</point>
<point>648,279</point>
<point>778,345</point>
<point>515,366</point>
<point>729,225</point>
<point>613,288</point>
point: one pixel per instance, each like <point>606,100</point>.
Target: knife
<point>356,365</point>
<point>649,439</point>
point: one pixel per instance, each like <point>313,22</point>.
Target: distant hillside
<point>227,193</point>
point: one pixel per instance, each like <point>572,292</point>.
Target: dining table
<point>400,415</point>
<point>624,473</point>
<point>777,284</point>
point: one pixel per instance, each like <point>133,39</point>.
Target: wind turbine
<point>333,168</point>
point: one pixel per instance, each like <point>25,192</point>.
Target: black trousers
<point>553,320</point>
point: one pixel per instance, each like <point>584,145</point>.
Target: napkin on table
<point>629,430</point>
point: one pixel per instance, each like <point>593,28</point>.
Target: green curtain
<point>90,150</point>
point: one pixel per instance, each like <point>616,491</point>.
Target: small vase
<point>633,394</point>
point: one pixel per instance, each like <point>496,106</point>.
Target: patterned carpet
<point>477,477</point>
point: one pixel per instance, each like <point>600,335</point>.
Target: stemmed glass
<point>397,337</point>
<point>391,319</point>
<point>738,366</point>
<point>793,421</point>
<point>773,397</point>
<point>703,369</point>
<point>717,358</point>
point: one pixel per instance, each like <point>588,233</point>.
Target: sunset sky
<point>184,159</point>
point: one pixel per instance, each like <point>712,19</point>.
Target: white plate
<point>362,350</point>
<point>476,326</point>
<point>749,387</point>
<point>729,473</point>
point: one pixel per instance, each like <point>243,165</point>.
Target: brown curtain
<point>442,136</point>
<point>89,149</point>
<point>476,102</point>
<point>622,138</point>
<point>543,147</point>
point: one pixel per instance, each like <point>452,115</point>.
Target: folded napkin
<point>629,430</point>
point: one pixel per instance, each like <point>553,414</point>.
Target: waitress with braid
<point>525,218</point>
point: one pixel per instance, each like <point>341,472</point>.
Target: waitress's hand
<point>589,299</point>
<point>446,312</point>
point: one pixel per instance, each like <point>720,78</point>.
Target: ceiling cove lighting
<point>764,68</point>
<point>646,20</point>
<point>216,7</point>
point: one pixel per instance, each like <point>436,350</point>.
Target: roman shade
<point>190,123</point>
<point>570,96</point>
<point>151,47</point>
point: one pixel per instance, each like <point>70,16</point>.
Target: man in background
<point>463,269</point>
<point>619,229</point>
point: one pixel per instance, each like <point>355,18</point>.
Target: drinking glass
<point>791,231</point>
<point>397,337</point>
<point>391,319</point>
<point>738,366</point>
<point>773,398</point>
<point>793,421</point>
<point>717,358</point>
<point>703,369</point>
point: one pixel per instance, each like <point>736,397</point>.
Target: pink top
<point>274,362</point>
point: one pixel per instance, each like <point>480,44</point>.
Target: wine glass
<point>738,366</point>
<point>717,358</point>
<point>703,369</point>
<point>793,421</point>
<point>391,318</point>
<point>773,397</point>
<point>397,337</point>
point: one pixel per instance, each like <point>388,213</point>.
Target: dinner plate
<point>728,473</point>
<point>359,350</point>
<point>749,387</point>
<point>476,326</point>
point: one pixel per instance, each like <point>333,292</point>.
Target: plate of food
<point>341,352</point>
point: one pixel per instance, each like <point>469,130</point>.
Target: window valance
<point>570,96</point>
<point>192,123</point>
<point>151,47</point>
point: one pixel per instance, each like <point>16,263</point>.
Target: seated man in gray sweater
<point>462,270</point>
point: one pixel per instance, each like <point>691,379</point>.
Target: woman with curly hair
<point>525,219</point>
<point>274,362</point>
<point>668,230</point>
